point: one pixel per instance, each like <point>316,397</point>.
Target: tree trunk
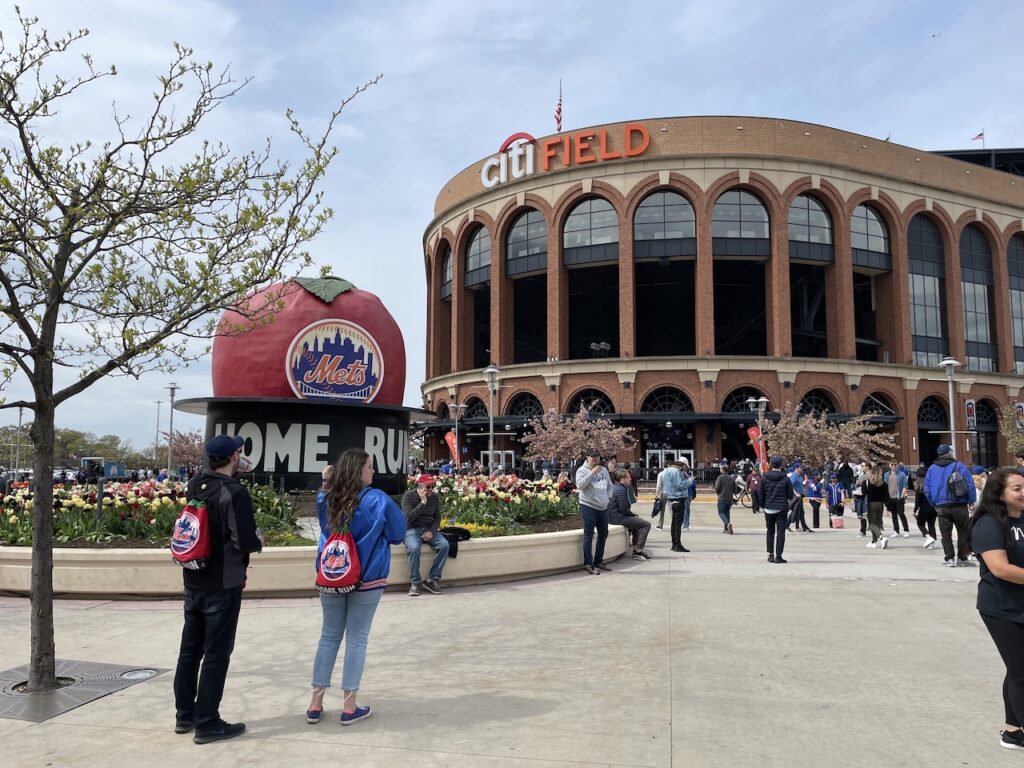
<point>42,662</point>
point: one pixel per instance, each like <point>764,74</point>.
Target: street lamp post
<point>156,442</point>
<point>17,458</point>
<point>172,387</point>
<point>950,365</point>
<point>491,372</point>
<point>758,405</point>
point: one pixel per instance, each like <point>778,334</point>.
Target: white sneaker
<point>905,535</point>
<point>861,535</point>
<point>949,563</point>
<point>871,544</point>
<point>883,543</point>
<point>929,542</point>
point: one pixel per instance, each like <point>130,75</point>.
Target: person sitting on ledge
<point>620,513</point>
<point>422,510</point>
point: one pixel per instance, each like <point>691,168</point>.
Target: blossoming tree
<point>566,437</point>
<point>816,440</point>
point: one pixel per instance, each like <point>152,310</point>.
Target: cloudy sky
<point>461,76</point>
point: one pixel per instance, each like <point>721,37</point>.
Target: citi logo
<point>516,152</point>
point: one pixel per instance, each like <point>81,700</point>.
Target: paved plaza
<point>845,656</point>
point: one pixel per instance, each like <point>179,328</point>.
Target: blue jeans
<point>686,512</point>
<point>860,505</point>
<point>208,637</point>
<point>413,542</point>
<point>594,518</point>
<point>724,506</point>
<point>351,612</point>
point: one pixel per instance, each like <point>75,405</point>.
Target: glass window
<point>664,216</point>
<point>867,230</point>
<point>739,214</point>
<point>1017,320</point>
<point>924,243</point>
<point>592,222</point>
<point>978,296</point>
<point>809,222</point>
<point>528,236</point>
<point>927,283</point>
<point>446,272</point>
<point>478,254</point>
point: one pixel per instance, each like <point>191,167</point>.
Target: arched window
<point>527,244</point>
<point>736,401</point>
<point>664,226</point>
<point>740,225</point>
<point>869,238</point>
<point>877,404</point>
<point>591,233</point>
<point>979,296</point>
<point>478,258</point>
<point>930,340</point>
<point>931,414</point>
<point>818,402</point>
<point>525,405</point>
<point>595,401</point>
<point>810,230</point>
<point>1015,257</point>
<point>442,411</point>
<point>667,400</point>
<point>446,271</point>
<point>475,409</point>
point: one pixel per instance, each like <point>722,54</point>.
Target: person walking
<point>948,486</point>
<point>896,483</point>
<point>835,496</point>
<point>860,501</point>
<point>677,489</point>
<point>659,494</point>
<point>774,497</point>
<point>213,595</point>
<point>595,487</point>
<point>753,483</point>
<point>620,513</point>
<point>815,493</point>
<point>726,489</point>
<point>875,494</point>
<point>376,522</point>
<point>996,536</point>
<point>797,514</point>
<point>924,512</point>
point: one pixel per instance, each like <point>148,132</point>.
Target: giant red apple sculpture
<point>329,341</point>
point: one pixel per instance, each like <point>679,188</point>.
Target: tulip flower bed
<point>506,505</point>
<point>133,515</point>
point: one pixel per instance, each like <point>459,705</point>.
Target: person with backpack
<point>997,536</point>
<point>949,489</point>
<point>213,594</point>
<point>347,505</point>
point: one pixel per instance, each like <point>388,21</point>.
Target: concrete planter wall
<point>289,570</point>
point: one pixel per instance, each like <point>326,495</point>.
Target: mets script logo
<point>335,360</point>
<point>186,534</point>
<point>335,561</point>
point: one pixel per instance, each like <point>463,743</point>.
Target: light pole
<point>491,372</point>
<point>156,442</point>
<point>172,387</point>
<point>758,405</point>
<point>17,458</point>
<point>950,364</point>
<point>458,408</point>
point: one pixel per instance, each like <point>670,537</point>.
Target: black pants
<point>954,516</point>
<point>897,509</point>
<point>926,521</point>
<point>211,618</point>
<point>1009,639</point>
<point>815,509</point>
<point>678,510</point>
<point>776,535</point>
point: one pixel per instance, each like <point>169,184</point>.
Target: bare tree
<point>114,256</point>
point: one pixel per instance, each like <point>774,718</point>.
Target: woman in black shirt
<point>997,537</point>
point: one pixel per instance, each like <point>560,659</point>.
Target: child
<point>835,495</point>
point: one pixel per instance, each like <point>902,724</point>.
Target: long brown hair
<point>345,486</point>
<point>992,503</point>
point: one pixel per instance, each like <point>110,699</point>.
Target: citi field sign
<point>517,155</point>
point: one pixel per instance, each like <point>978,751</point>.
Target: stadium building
<point>669,272</point>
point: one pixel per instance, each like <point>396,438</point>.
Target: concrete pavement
<point>843,657</point>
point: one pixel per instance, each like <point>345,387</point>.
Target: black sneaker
<point>771,558</point>
<point>218,731</point>
<point>432,587</point>
<point>1011,739</point>
<point>680,548</point>
<point>780,559</point>
<point>602,567</point>
<point>183,726</point>
<point>591,570</point>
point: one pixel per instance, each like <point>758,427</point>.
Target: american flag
<point>558,109</point>
<point>980,136</point>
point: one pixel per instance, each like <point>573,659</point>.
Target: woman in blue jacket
<point>376,523</point>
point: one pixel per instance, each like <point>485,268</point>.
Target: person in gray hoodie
<point>595,486</point>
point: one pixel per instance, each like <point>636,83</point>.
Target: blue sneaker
<point>361,713</point>
<point>313,716</point>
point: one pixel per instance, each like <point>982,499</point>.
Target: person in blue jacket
<point>376,523</point>
<point>951,509</point>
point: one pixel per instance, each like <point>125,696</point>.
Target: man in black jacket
<point>774,497</point>
<point>213,595</point>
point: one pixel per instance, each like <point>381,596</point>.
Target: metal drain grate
<point>91,681</point>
